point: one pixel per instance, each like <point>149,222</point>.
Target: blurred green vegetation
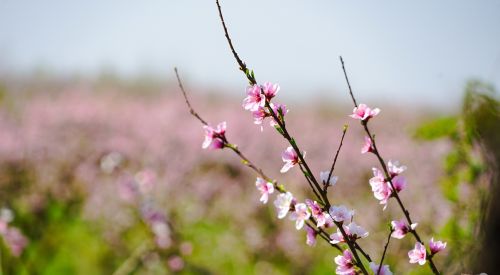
<point>469,172</point>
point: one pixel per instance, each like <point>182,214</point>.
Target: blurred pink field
<point>73,131</point>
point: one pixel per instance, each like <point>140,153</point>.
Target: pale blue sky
<point>411,51</point>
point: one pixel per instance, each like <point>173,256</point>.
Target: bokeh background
<point>101,166</point>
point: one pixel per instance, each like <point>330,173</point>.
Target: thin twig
<point>191,110</point>
<point>385,250</point>
<point>335,158</point>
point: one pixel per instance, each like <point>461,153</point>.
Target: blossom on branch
<point>418,254</point>
<point>214,137</point>
<point>363,112</point>
<point>270,90</point>
<point>324,178</point>
<point>401,228</point>
<point>254,98</point>
<point>436,246</point>
<point>368,146</point>
<point>282,204</point>
<point>310,236</point>
<point>300,215</point>
<point>394,168</point>
<point>341,213</point>
<point>317,212</point>
<point>265,189</point>
<point>381,189</point>
<point>345,263</point>
<point>290,158</point>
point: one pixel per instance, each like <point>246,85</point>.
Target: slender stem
<point>191,110</point>
<point>311,184</point>
<point>335,159</point>
<point>348,83</point>
<point>385,250</point>
<point>363,252</point>
<point>395,194</point>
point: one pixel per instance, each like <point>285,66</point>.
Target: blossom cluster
<point>384,188</point>
<point>384,184</point>
<point>258,96</point>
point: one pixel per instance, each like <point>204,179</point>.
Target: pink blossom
<point>368,147</point>
<point>145,180</point>
<point>384,270</point>
<point>381,189</point>
<point>15,240</point>
<point>394,168</point>
<point>277,109</point>
<point>317,212</point>
<point>214,137</point>
<point>345,263</point>
<point>401,228</point>
<point>436,246</point>
<point>363,112</point>
<point>282,204</point>
<point>340,213</point>
<point>259,115</point>
<point>328,220</point>
<point>265,189</point>
<point>254,98</point>
<point>337,237</point>
<point>300,215</point>
<point>311,236</point>
<point>175,263</point>
<point>270,90</point>
<point>356,231</point>
<point>399,183</point>
<point>418,254</point>
<point>324,178</point>
<point>290,158</point>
